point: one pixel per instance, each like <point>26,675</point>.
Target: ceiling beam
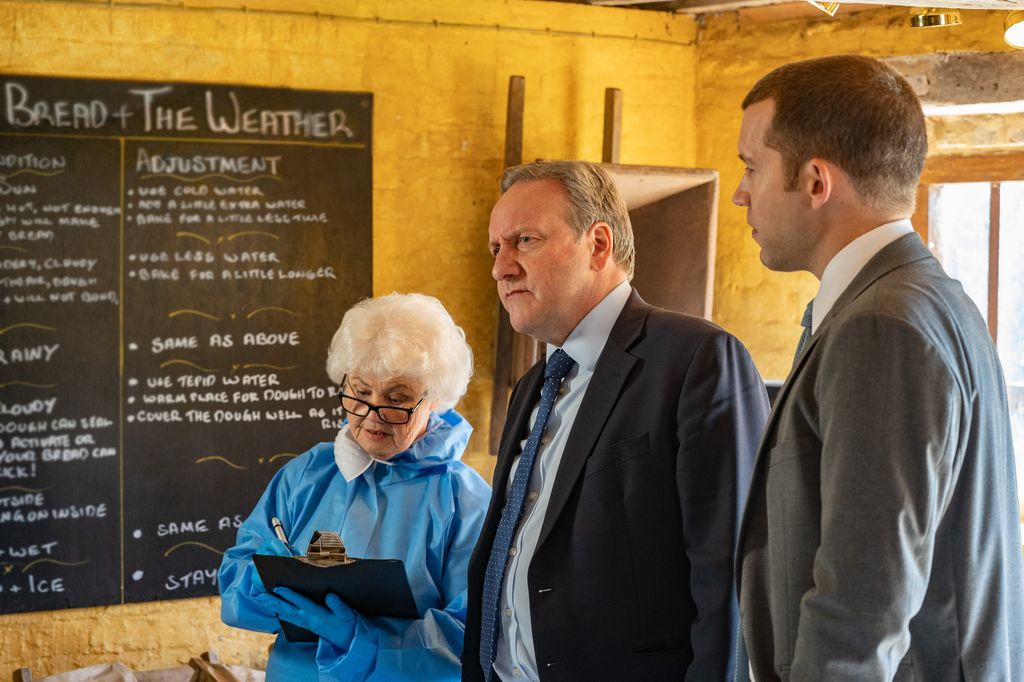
<point>969,81</point>
<point>709,6</point>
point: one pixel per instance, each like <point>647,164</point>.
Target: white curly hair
<point>407,336</point>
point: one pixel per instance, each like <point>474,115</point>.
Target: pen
<point>279,531</point>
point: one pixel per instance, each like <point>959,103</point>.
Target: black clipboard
<point>373,587</point>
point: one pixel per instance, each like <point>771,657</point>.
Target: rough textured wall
<point>764,308</point>
<point>439,73</point>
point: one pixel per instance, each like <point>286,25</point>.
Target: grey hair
<point>408,336</point>
<point>593,197</point>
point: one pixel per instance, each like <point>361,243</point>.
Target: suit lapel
<point>907,249</point>
<point>613,367</point>
<point>516,425</point>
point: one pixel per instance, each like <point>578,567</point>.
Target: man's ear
<point>600,245</point>
<point>817,181</point>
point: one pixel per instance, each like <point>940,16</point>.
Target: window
<point>972,212</point>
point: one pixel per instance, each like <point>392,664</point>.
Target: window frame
<point>991,168</point>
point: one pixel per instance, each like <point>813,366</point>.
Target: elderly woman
<point>392,485</point>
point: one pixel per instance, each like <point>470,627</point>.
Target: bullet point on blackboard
<point>133,346</point>
<point>131,418</point>
<point>131,192</point>
<point>129,218</point>
<point>131,273</point>
<point>131,400</point>
<point>131,257</point>
<point>136,533</point>
<point>137,575</point>
<point>133,382</point>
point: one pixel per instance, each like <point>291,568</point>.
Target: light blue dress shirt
<point>515,658</point>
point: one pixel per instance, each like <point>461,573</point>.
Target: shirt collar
<point>587,340</point>
<point>850,260</point>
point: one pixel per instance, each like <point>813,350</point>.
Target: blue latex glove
<point>336,623</point>
<point>273,547</point>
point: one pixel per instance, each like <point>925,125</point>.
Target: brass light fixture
<point>829,8</point>
<point>1013,29</point>
<point>928,17</point>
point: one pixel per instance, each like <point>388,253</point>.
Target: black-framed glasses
<point>387,413</point>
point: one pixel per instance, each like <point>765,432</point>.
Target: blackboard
<point>174,258</point>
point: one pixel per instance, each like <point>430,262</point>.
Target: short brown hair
<point>593,197</point>
<point>856,112</point>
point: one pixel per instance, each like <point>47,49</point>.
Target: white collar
<point>850,260</point>
<point>350,457</point>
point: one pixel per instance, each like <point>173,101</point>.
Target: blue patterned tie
<point>805,335</point>
<point>558,366</point>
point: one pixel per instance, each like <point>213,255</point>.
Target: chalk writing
<point>173,260</point>
<point>226,115</point>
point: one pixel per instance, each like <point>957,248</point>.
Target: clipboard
<point>373,587</point>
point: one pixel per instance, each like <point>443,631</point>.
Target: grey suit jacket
<point>881,535</point>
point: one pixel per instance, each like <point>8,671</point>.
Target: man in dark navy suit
<point>607,551</point>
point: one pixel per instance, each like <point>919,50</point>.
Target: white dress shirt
<point>515,659</point>
<point>850,260</point>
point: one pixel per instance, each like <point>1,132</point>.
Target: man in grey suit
<point>880,539</point>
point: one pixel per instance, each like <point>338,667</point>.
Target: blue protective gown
<point>426,509</point>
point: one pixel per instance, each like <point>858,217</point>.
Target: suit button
<point>533,495</point>
<point>512,551</point>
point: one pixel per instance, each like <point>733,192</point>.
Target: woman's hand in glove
<point>336,622</point>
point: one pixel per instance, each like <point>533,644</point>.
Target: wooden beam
<point>502,378</point>
<point>952,4</point>
<point>964,79</point>
<point>505,343</point>
<point>715,6</point>
<point>993,261</point>
<point>683,6</point>
<point>514,121</point>
<point>612,125</point>
<point>661,6</point>
<point>974,168</point>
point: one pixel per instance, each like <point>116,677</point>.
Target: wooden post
<point>993,262</point>
<point>505,344</point>
<point>612,125</point>
<point>514,121</point>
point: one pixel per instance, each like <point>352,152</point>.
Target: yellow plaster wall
<point>439,73</point>
<point>764,308</point>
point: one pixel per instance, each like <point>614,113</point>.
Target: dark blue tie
<point>558,366</point>
<point>805,335</point>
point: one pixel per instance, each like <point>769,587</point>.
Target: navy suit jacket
<point>633,573</point>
